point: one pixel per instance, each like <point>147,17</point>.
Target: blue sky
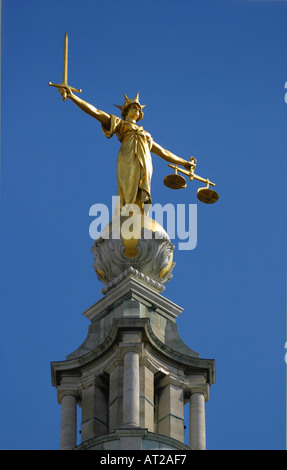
<point>212,76</point>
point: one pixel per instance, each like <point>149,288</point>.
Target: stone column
<point>68,438</point>
<point>131,349</point>
<point>131,389</point>
<point>197,432</point>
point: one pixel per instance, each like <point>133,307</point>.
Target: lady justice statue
<point>134,164</point>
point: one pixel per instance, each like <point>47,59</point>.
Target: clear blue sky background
<point>212,75</point>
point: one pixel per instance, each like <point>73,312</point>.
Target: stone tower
<point>133,374</point>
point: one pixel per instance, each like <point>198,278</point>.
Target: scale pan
<point>206,195</point>
<point>175,181</point>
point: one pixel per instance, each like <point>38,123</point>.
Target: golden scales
<point>175,181</point>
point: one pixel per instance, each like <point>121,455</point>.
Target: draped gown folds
<point>134,164</point>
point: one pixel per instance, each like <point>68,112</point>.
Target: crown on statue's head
<point>128,103</point>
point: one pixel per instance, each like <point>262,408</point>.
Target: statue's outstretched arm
<point>169,157</point>
<point>101,116</point>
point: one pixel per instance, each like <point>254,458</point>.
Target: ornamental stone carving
<point>134,241</point>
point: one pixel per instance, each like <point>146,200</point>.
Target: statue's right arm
<point>101,116</point>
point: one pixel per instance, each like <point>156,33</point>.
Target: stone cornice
<point>130,286</point>
<point>109,345</point>
<point>194,363</point>
<point>137,274</point>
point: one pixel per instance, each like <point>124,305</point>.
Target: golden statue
<point>134,164</point>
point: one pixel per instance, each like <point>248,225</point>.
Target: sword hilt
<point>63,85</point>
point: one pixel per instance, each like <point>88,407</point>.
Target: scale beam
<point>191,175</point>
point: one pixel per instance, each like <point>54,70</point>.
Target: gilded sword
<point>64,83</point>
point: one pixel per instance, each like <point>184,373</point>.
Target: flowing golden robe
<point>134,165</point>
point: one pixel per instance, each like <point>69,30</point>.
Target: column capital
<point>126,347</point>
<point>61,393</point>
<point>202,388</point>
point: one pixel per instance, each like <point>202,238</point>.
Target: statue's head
<point>124,108</point>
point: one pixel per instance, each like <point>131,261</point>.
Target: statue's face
<point>133,112</point>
